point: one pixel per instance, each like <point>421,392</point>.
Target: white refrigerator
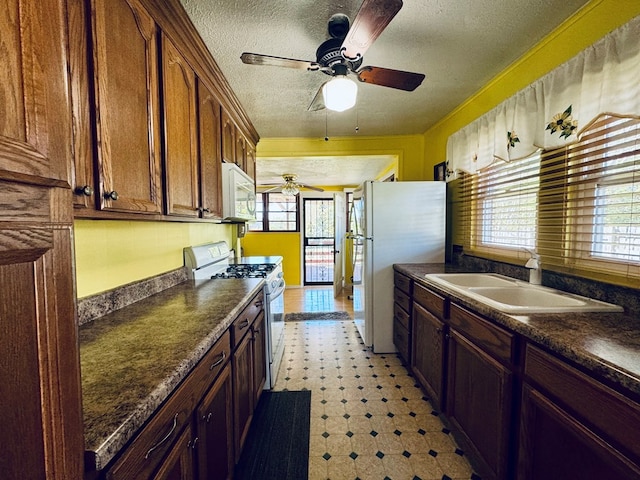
<point>392,222</point>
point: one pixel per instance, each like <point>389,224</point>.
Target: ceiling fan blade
<point>387,77</point>
<point>272,189</point>
<point>317,189</point>
<point>318,101</point>
<point>371,20</point>
<point>258,59</point>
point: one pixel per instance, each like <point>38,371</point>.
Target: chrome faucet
<point>534,266</point>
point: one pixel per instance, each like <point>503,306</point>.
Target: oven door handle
<point>277,292</point>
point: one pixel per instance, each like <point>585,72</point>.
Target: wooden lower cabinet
<point>259,339</point>
<point>243,392</point>
<point>427,362</point>
<point>555,445</point>
<point>519,411</point>
<point>214,420</point>
<point>403,286</point>
<point>479,402</point>
<point>573,426</point>
<point>179,461</point>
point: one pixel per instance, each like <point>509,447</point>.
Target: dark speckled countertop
<point>133,358</point>
<point>604,343</point>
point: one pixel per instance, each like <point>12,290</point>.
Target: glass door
<point>318,241</point>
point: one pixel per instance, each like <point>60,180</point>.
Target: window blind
<point>498,208</point>
<point>578,206</point>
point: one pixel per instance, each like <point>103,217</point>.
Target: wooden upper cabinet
<point>241,150</point>
<point>127,98</point>
<point>228,138</point>
<point>210,151</point>
<point>35,114</point>
<point>180,132</point>
<point>250,160</point>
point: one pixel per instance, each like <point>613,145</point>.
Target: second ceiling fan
<point>342,55</point>
<point>291,187</point>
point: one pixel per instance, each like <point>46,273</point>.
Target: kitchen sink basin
<point>473,279</point>
<point>514,296</point>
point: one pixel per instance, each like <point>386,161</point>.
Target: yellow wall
<point>285,244</point>
<point>409,150</point>
<point>591,23</point>
<point>111,253</point>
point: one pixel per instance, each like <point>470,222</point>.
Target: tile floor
<point>368,418</point>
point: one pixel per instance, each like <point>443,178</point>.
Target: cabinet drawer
<point>433,302</point>
<point>151,445</point>
<point>402,282</point>
<point>402,299</point>
<point>153,442</point>
<point>241,324</point>
<point>609,411</point>
<point>401,340</point>
<point>498,342</point>
<point>401,316</point>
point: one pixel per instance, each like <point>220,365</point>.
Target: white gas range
<point>212,261</point>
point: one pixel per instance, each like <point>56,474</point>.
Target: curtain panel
<point>554,111</point>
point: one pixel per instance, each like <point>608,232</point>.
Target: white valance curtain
<point>554,110</point>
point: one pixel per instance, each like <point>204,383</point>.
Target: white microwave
<point>238,194</point>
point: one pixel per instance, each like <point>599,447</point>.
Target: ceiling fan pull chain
<point>326,126</point>
<point>357,121</point>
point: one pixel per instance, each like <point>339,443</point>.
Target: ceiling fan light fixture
<point>340,93</point>
<point>290,190</point>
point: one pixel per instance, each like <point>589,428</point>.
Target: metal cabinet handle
<point>113,195</point>
<point>165,438</point>
<point>192,443</point>
<point>223,356</point>
<point>207,418</point>
<point>244,324</point>
<point>85,190</point>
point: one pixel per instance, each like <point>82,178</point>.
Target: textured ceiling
<point>458,44</point>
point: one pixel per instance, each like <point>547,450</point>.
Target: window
<point>578,206</point>
<point>602,209</point>
<point>275,212</point>
<point>501,203</point>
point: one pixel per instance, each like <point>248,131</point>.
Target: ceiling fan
<point>291,187</point>
<point>342,55</point>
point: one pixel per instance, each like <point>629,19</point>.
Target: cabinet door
<point>241,151</point>
<point>555,446</point>
<point>41,433</point>
<point>210,151</point>
<point>479,400</point>
<point>228,138</point>
<point>215,430</point>
<point>242,392</point>
<point>401,335</point>
<point>126,93</point>
<point>180,132</point>
<point>259,357</point>
<point>82,173</point>
<point>250,160</point>
<point>178,462</point>
<point>428,358</point>
<point>35,115</point>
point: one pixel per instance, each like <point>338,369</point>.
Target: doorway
<point>318,252</point>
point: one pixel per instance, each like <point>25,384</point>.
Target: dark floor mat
<point>277,445</point>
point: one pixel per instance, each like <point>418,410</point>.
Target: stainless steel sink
<point>514,296</point>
